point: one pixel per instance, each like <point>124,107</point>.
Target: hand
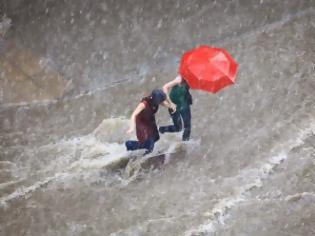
<point>173,107</point>
<point>130,130</point>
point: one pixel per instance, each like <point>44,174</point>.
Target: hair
<point>158,96</point>
<point>184,82</point>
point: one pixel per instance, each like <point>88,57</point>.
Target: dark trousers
<point>179,117</point>
<point>132,145</point>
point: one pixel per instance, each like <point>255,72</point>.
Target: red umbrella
<point>208,69</point>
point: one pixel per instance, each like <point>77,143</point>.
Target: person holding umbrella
<point>202,68</point>
<point>177,92</point>
<point>143,118</point>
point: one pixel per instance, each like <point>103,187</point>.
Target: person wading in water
<point>181,97</point>
<point>143,118</point>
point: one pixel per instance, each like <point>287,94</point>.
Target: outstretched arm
<point>132,124</point>
<point>169,85</point>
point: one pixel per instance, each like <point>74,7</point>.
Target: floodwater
<point>249,168</point>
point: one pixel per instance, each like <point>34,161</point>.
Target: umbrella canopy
<point>208,69</point>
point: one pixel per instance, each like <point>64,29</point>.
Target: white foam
<point>6,184</point>
<point>111,153</point>
<point>94,154</point>
<point>24,191</point>
<point>298,196</point>
<point>252,178</point>
<point>72,157</point>
<point>7,163</point>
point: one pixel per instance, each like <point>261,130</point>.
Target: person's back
<point>180,96</point>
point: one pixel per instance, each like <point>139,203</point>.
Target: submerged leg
<point>149,145</point>
<point>135,145</point>
<point>132,145</point>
